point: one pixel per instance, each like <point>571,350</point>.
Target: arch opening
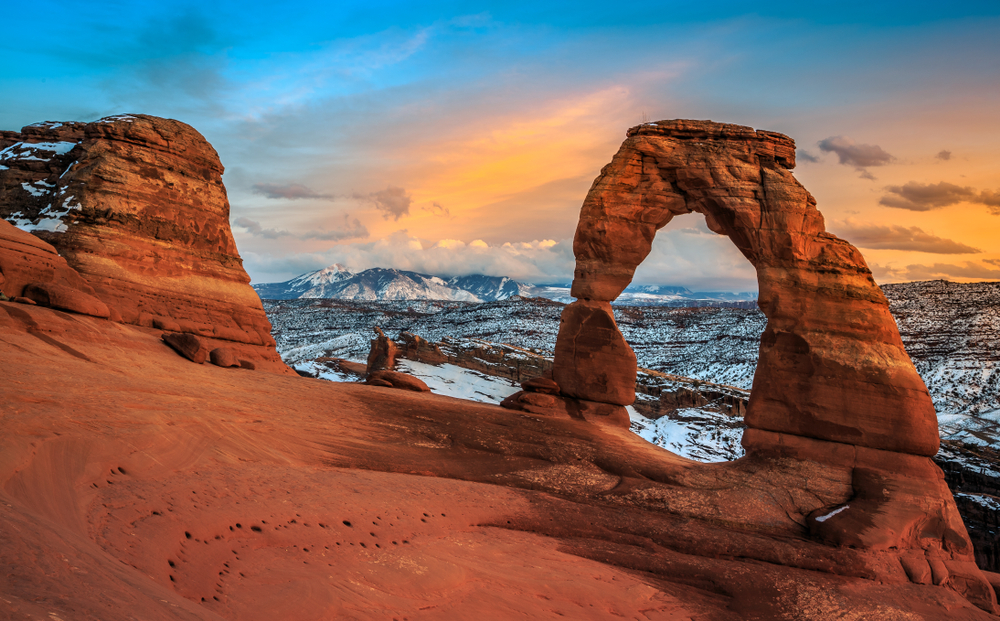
<point>696,356</point>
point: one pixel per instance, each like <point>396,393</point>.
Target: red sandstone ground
<point>138,485</point>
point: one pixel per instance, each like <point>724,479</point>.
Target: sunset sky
<point>453,139</point>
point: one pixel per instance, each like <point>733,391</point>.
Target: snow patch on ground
<point>31,189</point>
<point>459,382</point>
<point>701,435</point>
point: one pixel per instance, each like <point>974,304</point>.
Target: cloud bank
<point>353,229</point>
<point>290,191</point>
<point>971,270</point>
<point>897,237</point>
<point>916,196</point>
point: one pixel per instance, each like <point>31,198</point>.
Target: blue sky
<point>412,132</point>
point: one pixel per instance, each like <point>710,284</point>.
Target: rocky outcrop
<point>382,354</point>
<point>395,379</point>
<point>603,367</point>
<point>833,383</point>
<point>136,205</point>
<point>415,347</point>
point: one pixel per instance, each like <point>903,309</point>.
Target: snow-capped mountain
<point>488,288</point>
<point>312,285</point>
<point>381,284</point>
<point>337,282</point>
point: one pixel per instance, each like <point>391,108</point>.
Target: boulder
<point>543,385</point>
<point>65,298</point>
<point>246,364</point>
<point>397,380</point>
<point>187,345</point>
<point>224,357</point>
<point>344,366</point>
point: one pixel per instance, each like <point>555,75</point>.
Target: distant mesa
<point>135,207</point>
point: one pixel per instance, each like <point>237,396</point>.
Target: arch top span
<point>832,365</point>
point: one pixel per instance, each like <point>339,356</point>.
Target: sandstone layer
<point>136,205</point>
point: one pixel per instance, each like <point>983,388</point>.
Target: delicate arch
<point>832,365</point>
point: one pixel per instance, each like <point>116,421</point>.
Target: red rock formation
<point>832,365</point>
<point>417,348</point>
<point>603,366</point>
<point>136,205</point>
<point>382,354</point>
<point>833,384</point>
<point>395,379</point>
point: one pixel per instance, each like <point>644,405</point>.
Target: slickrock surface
<point>196,492</point>
<point>136,205</point>
<point>832,365</point>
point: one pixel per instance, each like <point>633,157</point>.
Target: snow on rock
<point>37,151</point>
<point>128,118</point>
<point>990,502</point>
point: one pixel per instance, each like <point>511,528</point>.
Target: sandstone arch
<point>832,365</point>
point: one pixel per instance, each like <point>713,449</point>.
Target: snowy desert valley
<point>695,363</point>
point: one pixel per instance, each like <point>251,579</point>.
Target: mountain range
<point>383,284</point>
<point>378,283</point>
